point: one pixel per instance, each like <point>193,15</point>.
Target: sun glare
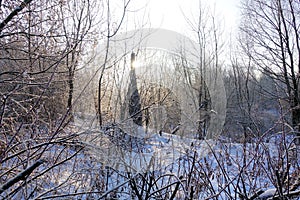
<point>136,64</point>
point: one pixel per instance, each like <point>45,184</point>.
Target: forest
<point>97,104</point>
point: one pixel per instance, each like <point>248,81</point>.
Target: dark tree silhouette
<point>134,104</point>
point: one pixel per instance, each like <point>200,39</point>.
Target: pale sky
<point>168,13</point>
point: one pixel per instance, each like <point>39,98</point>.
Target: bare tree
<point>272,29</point>
<point>40,45</point>
<point>77,19</point>
<point>207,30</point>
<point>110,33</point>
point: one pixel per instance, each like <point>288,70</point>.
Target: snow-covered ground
<point>203,169</point>
<point>112,164</point>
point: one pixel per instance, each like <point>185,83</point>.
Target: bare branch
<point>14,13</point>
<point>21,176</point>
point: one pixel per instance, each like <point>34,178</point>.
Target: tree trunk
<point>296,120</point>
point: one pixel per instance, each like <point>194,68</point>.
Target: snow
<point>112,157</point>
<point>267,194</point>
